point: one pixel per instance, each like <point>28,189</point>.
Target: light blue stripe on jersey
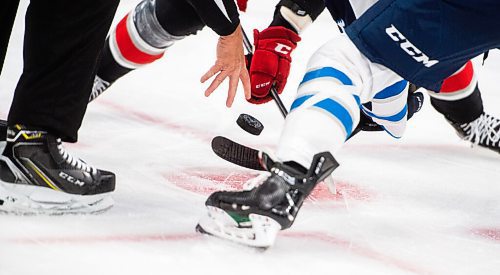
<point>327,72</point>
<point>297,102</point>
<point>338,111</point>
<point>394,118</point>
<point>393,90</point>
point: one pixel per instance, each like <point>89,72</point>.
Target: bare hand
<point>230,63</point>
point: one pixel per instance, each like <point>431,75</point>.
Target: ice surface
<point>425,204</point>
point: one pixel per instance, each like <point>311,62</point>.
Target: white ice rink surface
<point>425,204</point>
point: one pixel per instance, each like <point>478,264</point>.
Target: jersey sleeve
<point>220,15</point>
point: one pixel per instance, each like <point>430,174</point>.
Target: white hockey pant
<point>339,82</point>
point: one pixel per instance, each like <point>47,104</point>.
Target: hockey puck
<point>250,124</point>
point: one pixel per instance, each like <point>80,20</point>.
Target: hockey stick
<point>236,153</point>
<point>248,157</point>
<point>242,155</point>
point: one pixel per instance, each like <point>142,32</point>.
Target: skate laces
<point>255,182</point>
<point>73,161</point>
<point>485,130</point>
<point>98,88</point>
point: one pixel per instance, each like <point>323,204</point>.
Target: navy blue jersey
<point>425,41</point>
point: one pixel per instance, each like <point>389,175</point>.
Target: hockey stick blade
<point>236,153</point>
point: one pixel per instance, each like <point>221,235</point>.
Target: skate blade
<point>330,183</point>
<point>259,232</point>
<point>33,200</point>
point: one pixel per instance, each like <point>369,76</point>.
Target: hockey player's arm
<point>220,15</point>
<point>270,65</point>
<point>296,15</point>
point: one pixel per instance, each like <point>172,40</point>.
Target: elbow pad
<point>297,14</point>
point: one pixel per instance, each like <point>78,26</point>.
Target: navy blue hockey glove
<point>415,101</point>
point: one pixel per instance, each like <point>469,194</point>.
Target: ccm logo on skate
<point>409,48</point>
<point>284,49</point>
<point>71,179</point>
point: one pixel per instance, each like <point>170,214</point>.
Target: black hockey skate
<point>3,130</point>
<point>484,131</point>
<point>39,176</point>
<point>254,217</point>
<point>3,134</point>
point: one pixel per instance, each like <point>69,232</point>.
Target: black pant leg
<point>7,16</point>
<point>62,43</point>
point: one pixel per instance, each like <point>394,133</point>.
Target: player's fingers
<point>211,72</point>
<point>231,93</point>
<point>245,80</point>
<point>217,81</point>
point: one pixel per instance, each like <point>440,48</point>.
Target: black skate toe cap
<point>225,198</point>
<point>213,199</point>
<point>104,183</point>
<point>108,182</point>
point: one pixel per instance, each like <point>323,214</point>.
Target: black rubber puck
<point>250,124</point>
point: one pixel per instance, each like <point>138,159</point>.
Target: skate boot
<point>38,176</point>
<point>100,85</point>
<point>484,131</point>
<point>254,217</point>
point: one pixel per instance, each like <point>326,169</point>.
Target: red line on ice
<point>104,239</point>
<point>318,236</point>
<point>127,111</point>
<point>206,180</point>
<point>203,135</point>
<point>488,233</point>
<point>359,250</point>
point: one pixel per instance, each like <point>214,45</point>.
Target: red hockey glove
<point>242,5</point>
<point>270,64</point>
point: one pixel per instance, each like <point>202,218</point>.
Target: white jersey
<point>339,83</point>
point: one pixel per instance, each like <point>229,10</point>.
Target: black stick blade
<point>236,153</point>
